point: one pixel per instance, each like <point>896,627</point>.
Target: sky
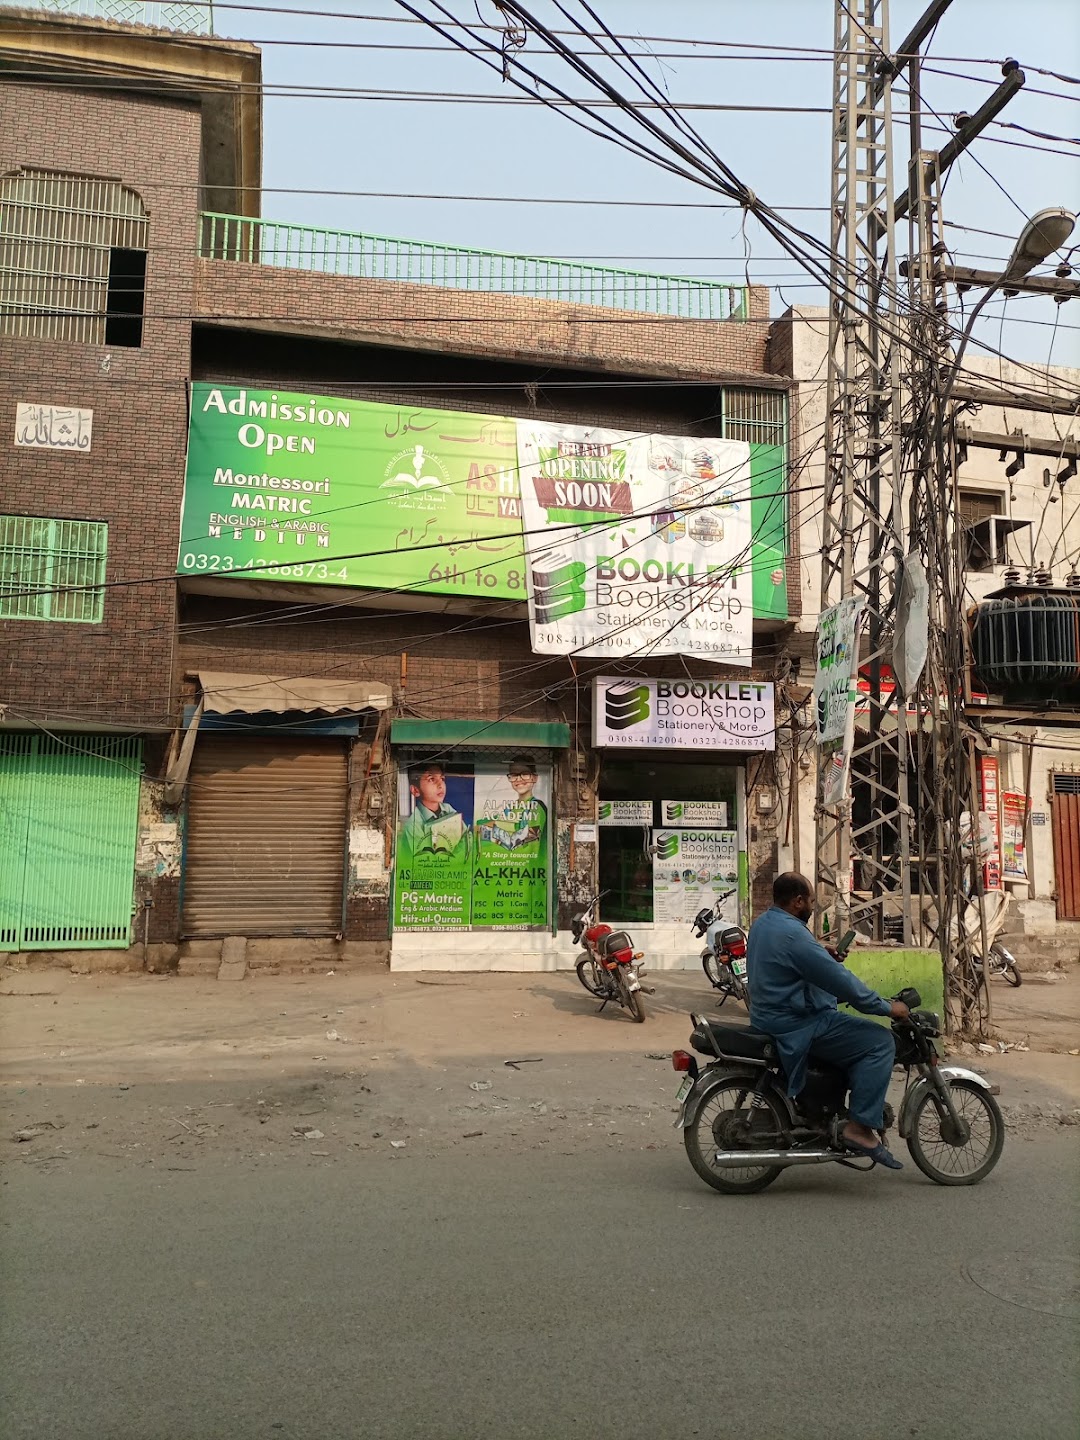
<point>423,143</point>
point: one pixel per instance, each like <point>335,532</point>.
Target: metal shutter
<point>265,849</point>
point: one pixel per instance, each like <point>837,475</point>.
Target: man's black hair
<point>788,887</point>
<point>415,771</point>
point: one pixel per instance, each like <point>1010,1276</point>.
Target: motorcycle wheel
<point>630,998</point>
<point>591,976</point>
<point>939,1158</point>
<point>711,966</point>
<point>1002,963</point>
<point>705,1134</point>
<point>637,1007</point>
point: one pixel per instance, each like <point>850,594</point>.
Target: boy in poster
<point>433,825</point>
<point>510,876</point>
<point>523,820</point>
<point>431,884</point>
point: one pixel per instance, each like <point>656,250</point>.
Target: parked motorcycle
<point>609,968</point>
<point>724,956</point>
<point>1001,962</point>
<point>741,1129</point>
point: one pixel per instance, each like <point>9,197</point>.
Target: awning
<point>226,692</point>
<point>521,734</point>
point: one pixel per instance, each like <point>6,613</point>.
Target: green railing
<point>416,262</point>
<point>187,17</point>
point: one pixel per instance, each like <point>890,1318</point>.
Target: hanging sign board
<point>698,814</point>
<point>625,812</point>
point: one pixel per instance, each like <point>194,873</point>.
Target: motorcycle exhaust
<point>782,1159</point>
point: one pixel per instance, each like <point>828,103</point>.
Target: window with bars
<point>50,569</point>
<point>757,416</point>
<point>72,259</point>
<point>1066,783</point>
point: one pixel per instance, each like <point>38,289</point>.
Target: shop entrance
<point>689,813</point>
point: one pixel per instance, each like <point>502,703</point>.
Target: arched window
<point>72,258</point>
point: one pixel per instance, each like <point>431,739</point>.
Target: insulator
<point>1043,577</point>
<point>1011,577</point>
<point>1072,581</point>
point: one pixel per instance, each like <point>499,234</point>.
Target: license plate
<point>739,967</point>
<point>684,1089</point>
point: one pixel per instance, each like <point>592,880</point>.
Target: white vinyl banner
<point>636,544</point>
<point>692,869</point>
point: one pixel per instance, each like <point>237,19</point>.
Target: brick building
<point>196,751</point>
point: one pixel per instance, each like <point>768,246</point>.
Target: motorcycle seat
<point>739,1040</point>
<point>744,1042</point>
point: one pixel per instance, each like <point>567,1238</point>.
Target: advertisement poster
<point>690,870</point>
<point>835,654</point>
<point>625,812</point>
<point>702,814</point>
<point>473,845</point>
<point>990,819</point>
<point>1014,808</point>
<point>512,828</point>
<point>630,713</point>
<point>653,547</point>
<point>433,859</point>
<point>344,492</point>
<point>293,487</point>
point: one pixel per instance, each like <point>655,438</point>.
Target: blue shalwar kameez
<point>794,988</point>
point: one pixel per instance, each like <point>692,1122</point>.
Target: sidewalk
<point>58,1027</point>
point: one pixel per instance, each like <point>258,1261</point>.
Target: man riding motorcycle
<point>795,985</point>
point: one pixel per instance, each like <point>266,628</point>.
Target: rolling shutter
<point>266,825</point>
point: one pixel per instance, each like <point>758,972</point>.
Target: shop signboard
<point>625,812</point>
<point>325,491</point>
<point>292,487</point>
<point>698,814</point>
<point>691,869</point>
<point>637,541</point>
<point>1014,810</point>
<point>636,713</point>
<point>473,846</point>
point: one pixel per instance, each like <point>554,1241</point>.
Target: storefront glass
<point>687,811</point>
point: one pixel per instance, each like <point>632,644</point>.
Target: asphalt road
<point>534,1294</point>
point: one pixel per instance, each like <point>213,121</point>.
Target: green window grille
<point>49,569</point>
<point>757,416</point>
<point>69,811</point>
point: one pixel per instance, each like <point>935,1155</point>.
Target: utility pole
<point>891,864</point>
<point>863,859</point>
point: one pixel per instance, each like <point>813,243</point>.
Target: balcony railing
<point>451,267</point>
<point>188,17</point>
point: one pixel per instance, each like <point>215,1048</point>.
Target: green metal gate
<point>69,812</point>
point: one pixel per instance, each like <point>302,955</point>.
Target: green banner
<point>433,859</point>
<point>343,492</point>
<point>473,845</point>
<point>314,489</point>
<point>510,869</point>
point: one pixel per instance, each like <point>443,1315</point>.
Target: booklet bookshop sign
<point>637,541</point>
<point>632,713</point>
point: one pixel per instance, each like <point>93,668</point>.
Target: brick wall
<point>132,478</point>
<point>471,323</point>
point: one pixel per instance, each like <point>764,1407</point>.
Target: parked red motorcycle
<point>609,968</point>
